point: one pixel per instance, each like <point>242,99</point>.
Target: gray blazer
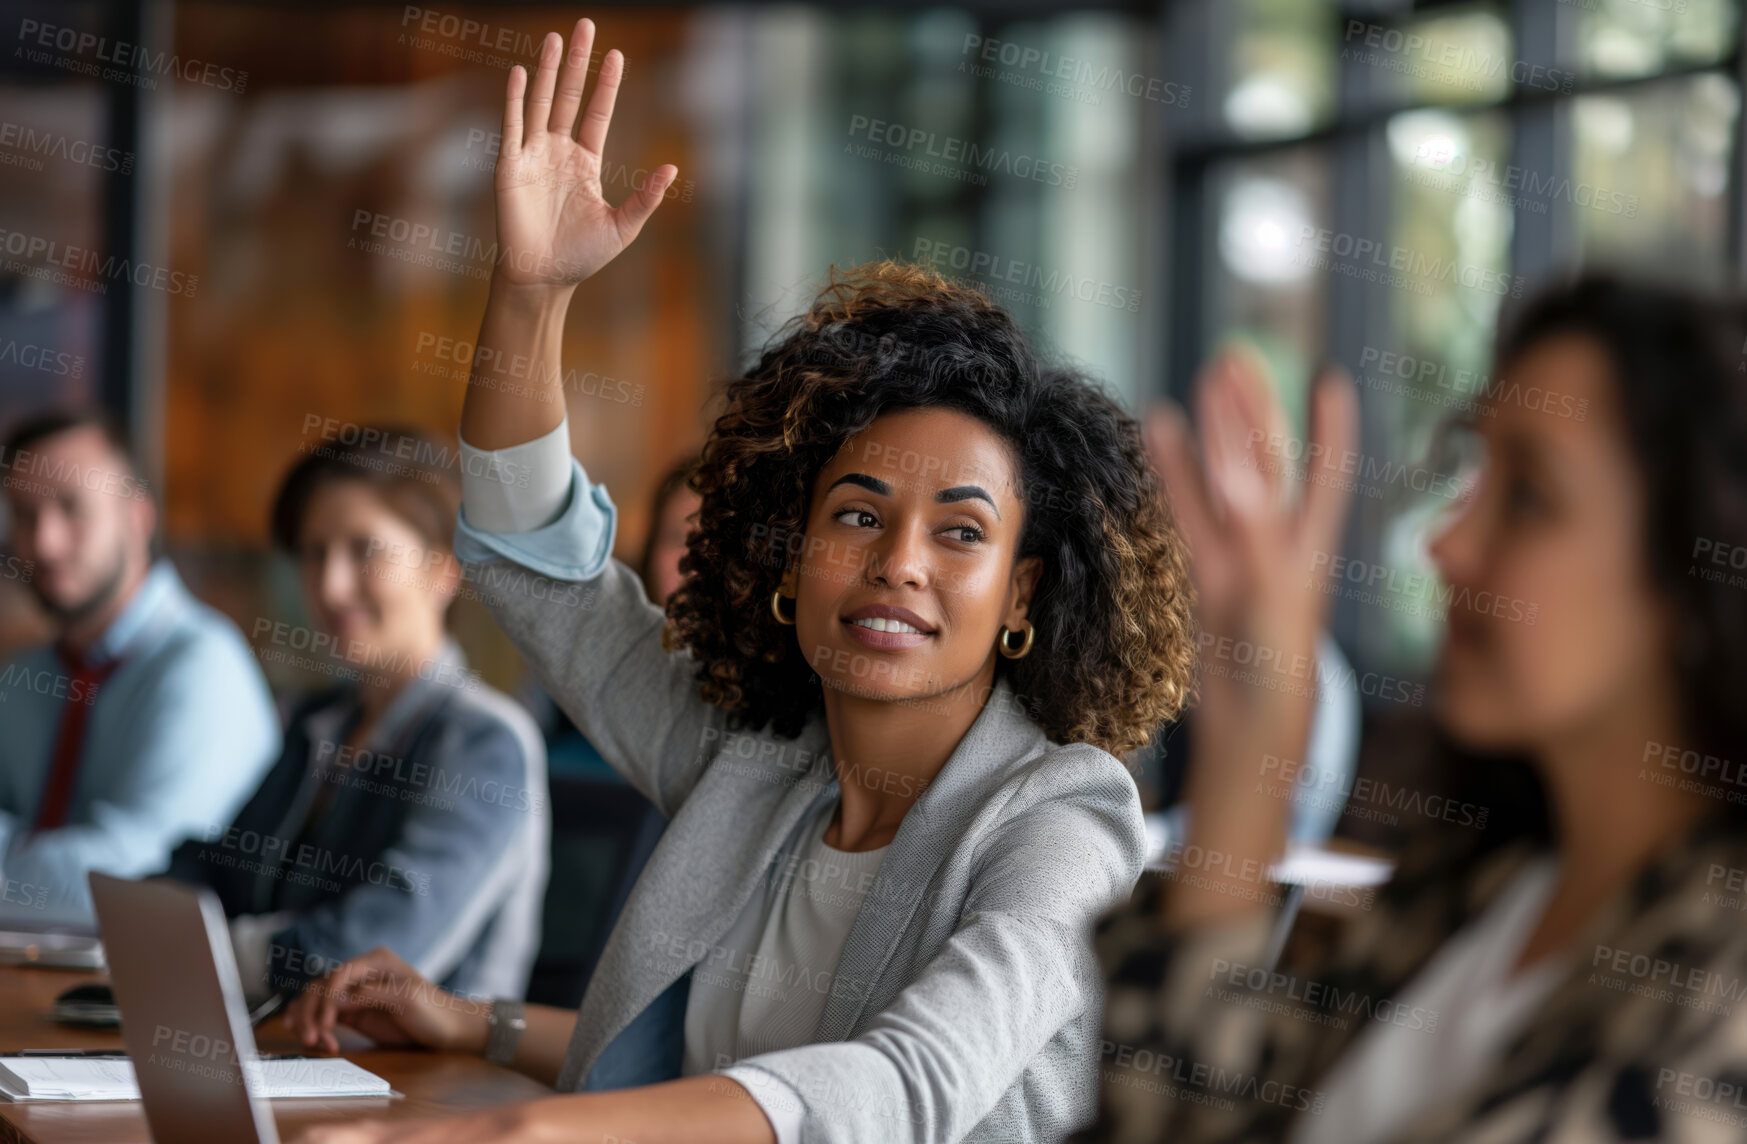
<point>966,1004</point>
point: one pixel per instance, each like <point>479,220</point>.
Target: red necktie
<point>57,792</point>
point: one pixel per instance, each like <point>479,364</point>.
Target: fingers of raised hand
<point>599,115</point>
<point>1263,414</point>
<point>1334,435</point>
<point>1177,462</point>
<point>630,215</point>
<point>572,78</point>
<point>1229,431</point>
<point>514,90</point>
<point>539,109</point>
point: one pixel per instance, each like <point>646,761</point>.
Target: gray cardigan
<point>966,1004</point>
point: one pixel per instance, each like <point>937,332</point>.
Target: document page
<point>112,1078</point>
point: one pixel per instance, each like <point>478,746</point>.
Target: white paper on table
<point>112,1078</point>
<point>1301,865</point>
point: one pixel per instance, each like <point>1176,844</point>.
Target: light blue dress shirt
<point>178,736</point>
<point>557,522</point>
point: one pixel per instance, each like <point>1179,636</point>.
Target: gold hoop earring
<point>776,599</point>
<point>1024,648</point>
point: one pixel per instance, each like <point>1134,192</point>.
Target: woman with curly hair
<point>932,594</point>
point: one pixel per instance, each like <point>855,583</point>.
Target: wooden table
<point>435,1084</point>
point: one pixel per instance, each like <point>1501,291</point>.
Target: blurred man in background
<point>147,719</point>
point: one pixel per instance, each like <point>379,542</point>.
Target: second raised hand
<point>1258,555</point>
<point>554,225</point>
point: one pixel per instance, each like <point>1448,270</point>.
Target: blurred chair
<point>603,832</point>
<point>1332,756</point>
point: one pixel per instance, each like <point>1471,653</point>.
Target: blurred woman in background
<point>408,808</point>
<point>671,515</point>
<point>1575,974</point>
<point>671,510</point>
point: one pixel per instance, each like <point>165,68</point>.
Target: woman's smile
<point>888,627</point>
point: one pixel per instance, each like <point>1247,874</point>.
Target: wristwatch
<point>505,1021</point>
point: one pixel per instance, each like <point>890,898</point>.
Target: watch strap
<point>505,1022</point>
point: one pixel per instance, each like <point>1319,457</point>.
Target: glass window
<point>1453,194</point>
<point>55,156</point>
<point>1007,156</point>
<point>1451,173</point>
<point>1446,57</point>
<point>1650,176</point>
<point>1266,283</point>
<point>1629,39</point>
<point>1280,66</point>
<point>1086,284</point>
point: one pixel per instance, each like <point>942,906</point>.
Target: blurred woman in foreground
<point>1576,979</point>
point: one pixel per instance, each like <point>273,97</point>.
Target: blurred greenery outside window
<point>1375,190</point>
<point>860,121</point>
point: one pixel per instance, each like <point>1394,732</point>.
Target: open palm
<point>554,226</point>
<point>1259,555</point>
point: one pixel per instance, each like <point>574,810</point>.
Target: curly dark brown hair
<point>1115,642</point>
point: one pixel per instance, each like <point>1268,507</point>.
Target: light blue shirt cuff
<point>520,488</point>
<point>776,1098</point>
<point>558,524</point>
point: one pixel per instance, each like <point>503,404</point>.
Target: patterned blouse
<point>1644,1039</point>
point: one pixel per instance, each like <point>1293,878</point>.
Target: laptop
<point>51,945</point>
<point>186,1028</point>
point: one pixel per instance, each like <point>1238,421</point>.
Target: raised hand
<point>554,226</point>
<point>1254,545</point>
<point>388,1001</point>
<point>1253,548</point>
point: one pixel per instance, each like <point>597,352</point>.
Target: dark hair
<point>1115,647</point>
<point>52,423</point>
<point>408,469</point>
<point>1674,358</point>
